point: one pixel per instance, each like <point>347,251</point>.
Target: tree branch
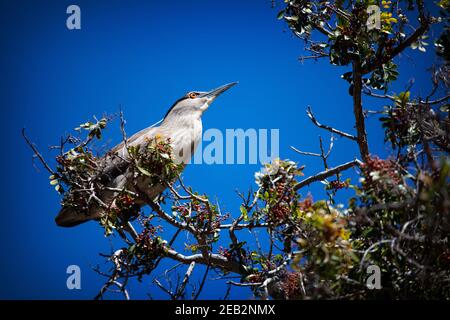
<point>358,111</point>
<point>331,129</point>
<point>379,61</point>
<point>214,259</point>
<point>370,93</point>
<point>37,153</point>
<point>327,173</point>
<point>187,275</point>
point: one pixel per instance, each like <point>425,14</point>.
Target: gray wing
<point>112,173</point>
<point>115,162</point>
<point>137,138</point>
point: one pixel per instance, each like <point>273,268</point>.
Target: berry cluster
<point>337,185</point>
<point>225,252</point>
<point>126,207</point>
<point>377,170</point>
<point>148,247</point>
<point>291,286</point>
<point>283,195</point>
<point>306,205</point>
<point>200,214</point>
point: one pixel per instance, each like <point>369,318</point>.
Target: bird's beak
<point>213,94</point>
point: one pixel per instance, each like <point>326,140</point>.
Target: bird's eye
<point>192,95</point>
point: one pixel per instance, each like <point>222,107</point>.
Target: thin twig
<point>202,284</point>
<point>180,291</point>
<point>37,153</point>
<point>305,153</point>
<point>331,129</point>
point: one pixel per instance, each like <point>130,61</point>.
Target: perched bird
<point>182,124</point>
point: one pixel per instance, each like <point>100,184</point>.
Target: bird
<point>181,126</point>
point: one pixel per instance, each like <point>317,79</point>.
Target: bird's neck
<point>184,128</point>
<point>185,133</point>
<point>184,122</point>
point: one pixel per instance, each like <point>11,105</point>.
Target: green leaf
<point>444,108</point>
<point>280,15</point>
<point>144,171</point>
<point>244,213</point>
<point>347,76</point>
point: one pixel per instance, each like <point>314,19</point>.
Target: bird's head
<point>195,102</point>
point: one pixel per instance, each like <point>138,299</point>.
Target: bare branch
<point>37,153</point>
<point>162,214</point>
<point>315,57</point>
<point>331,129</point>
<point>215,260</point>
<point>305,153</point>
<point>180,291</point>
<point>202,284</point>
<point>192,195</point>
<point>114,277</point>
<point>159,284</point>
<point>244,226</point>
<point>122,129</point>
<point>245,284</point>
<point>327,173</point>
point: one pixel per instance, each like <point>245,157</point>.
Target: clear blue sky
<point>144,55</point>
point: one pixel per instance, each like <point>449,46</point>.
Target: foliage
<point>399,218</point>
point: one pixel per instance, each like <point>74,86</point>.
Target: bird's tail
<point>70,217</point>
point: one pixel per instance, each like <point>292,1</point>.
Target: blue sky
<point>144,55</point>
